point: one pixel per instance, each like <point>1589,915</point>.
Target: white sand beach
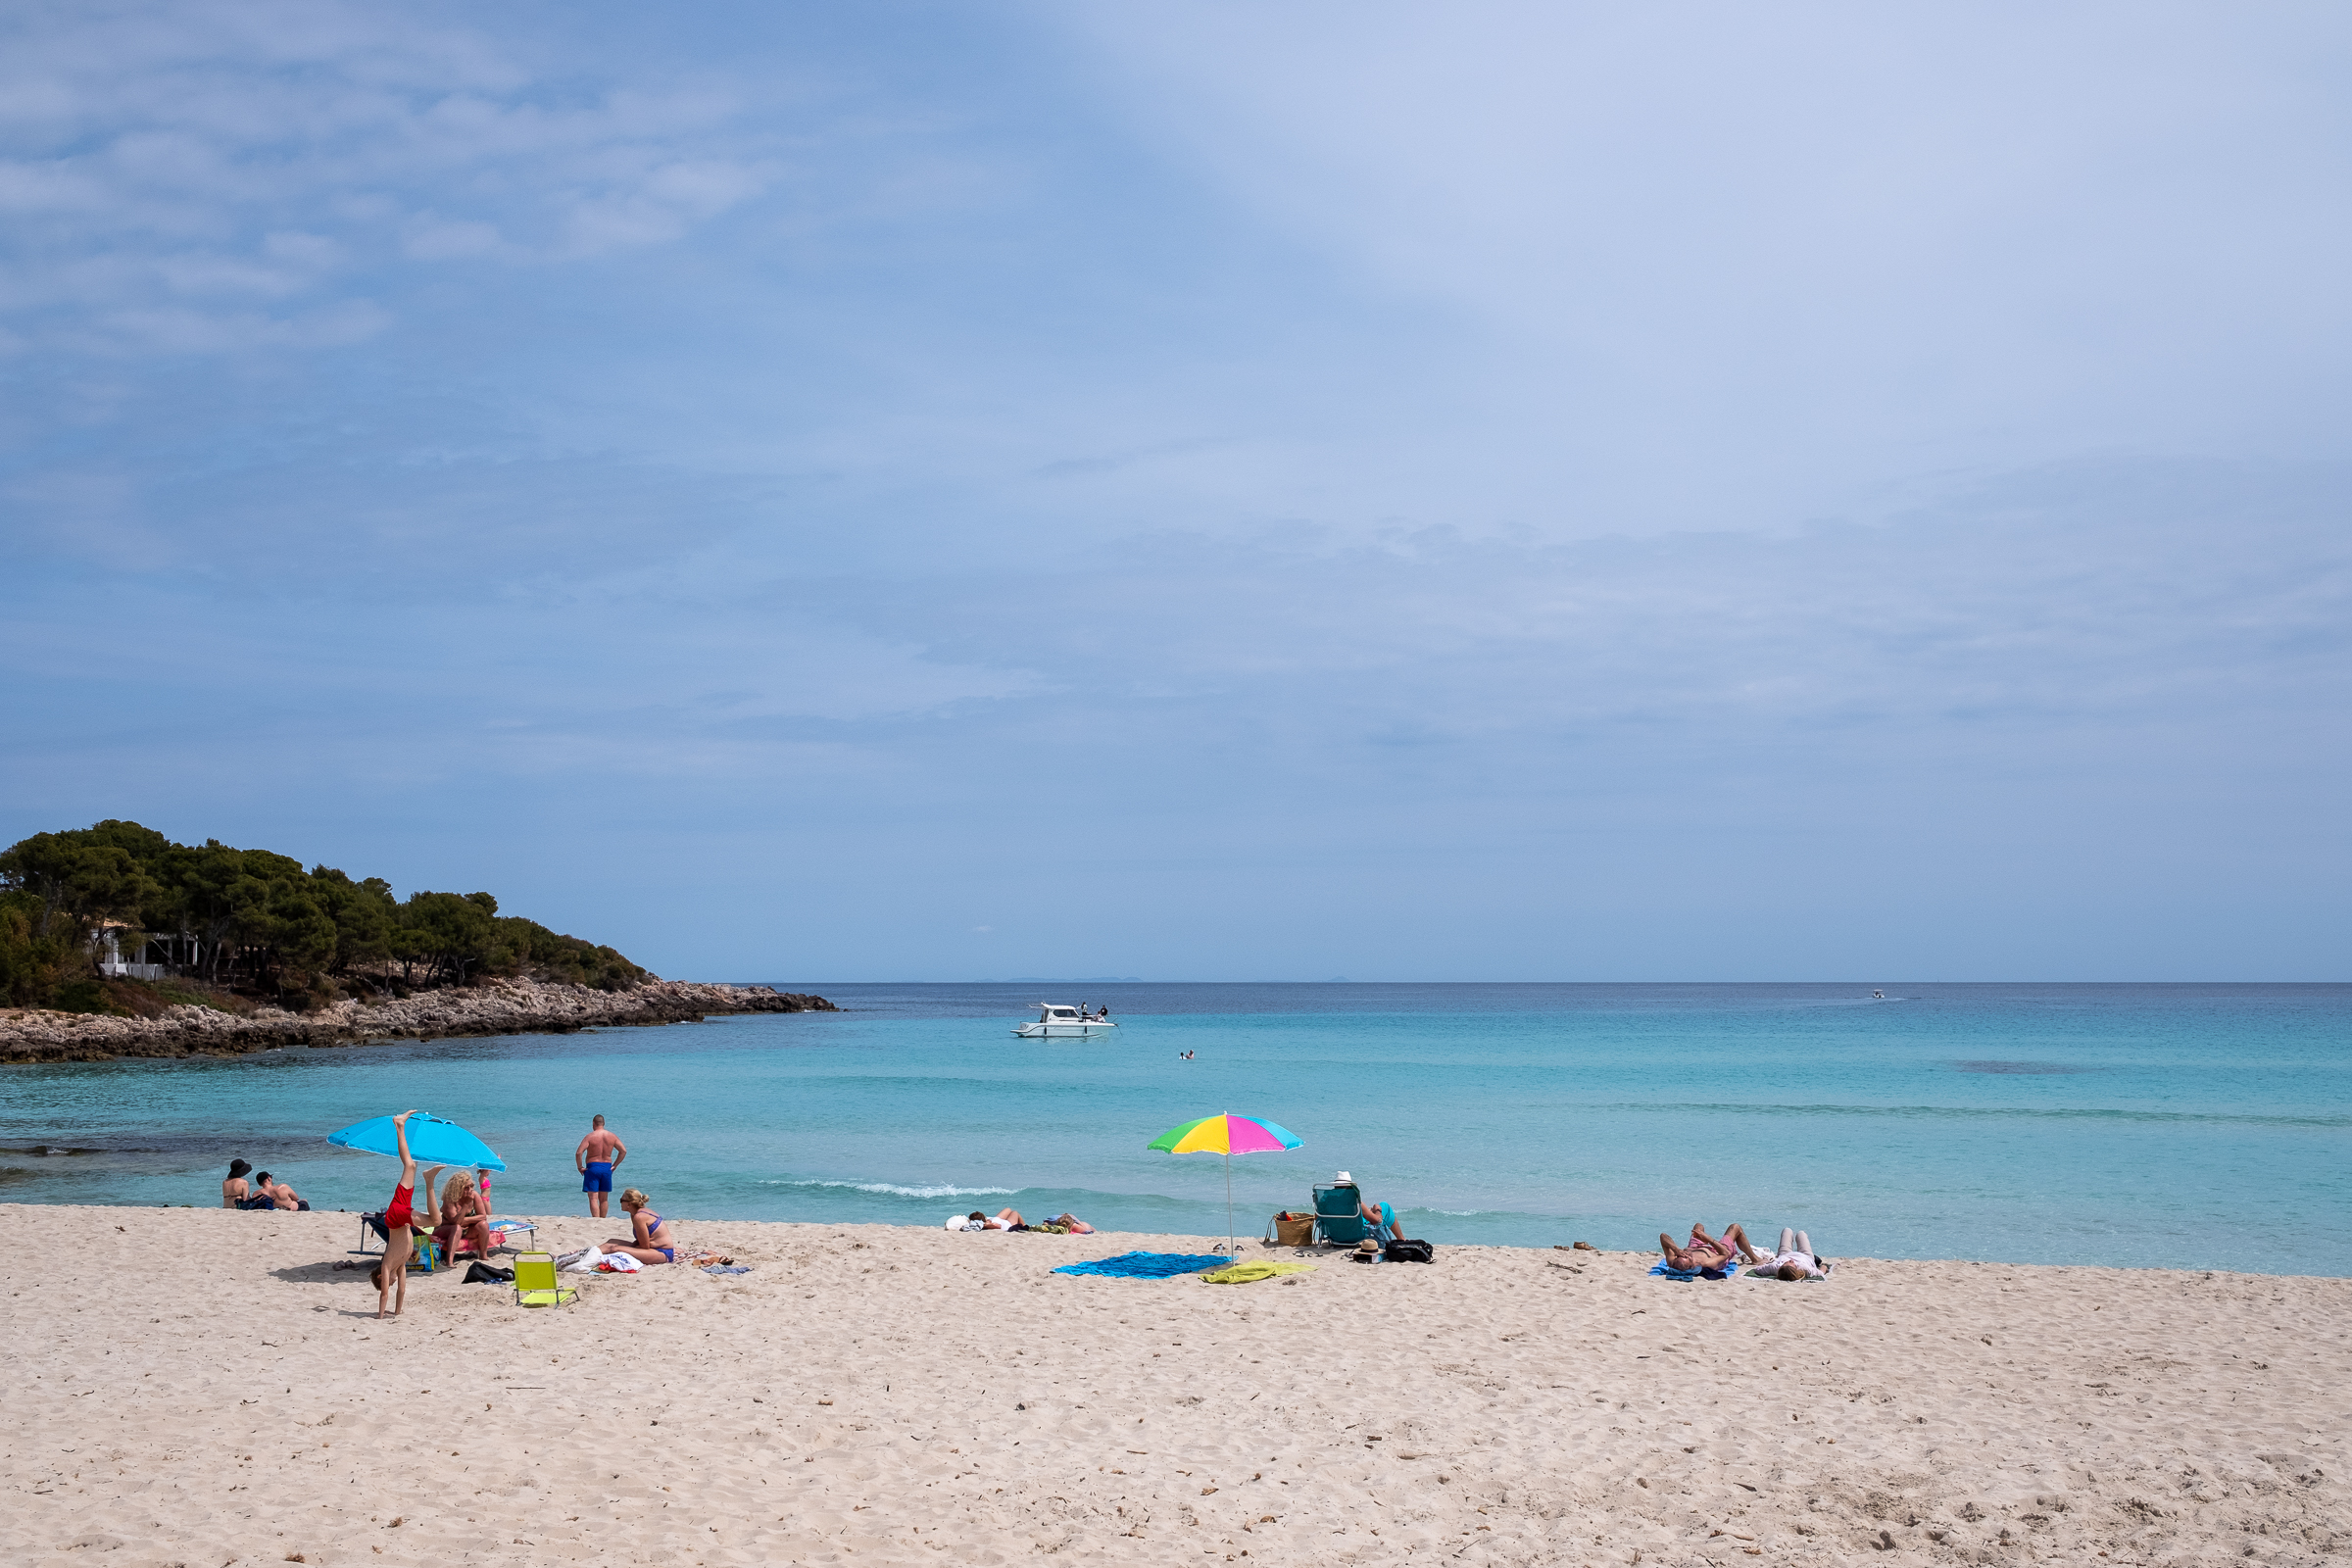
<point>202,1387</point>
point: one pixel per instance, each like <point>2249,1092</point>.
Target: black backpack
<point>1404,1251</point>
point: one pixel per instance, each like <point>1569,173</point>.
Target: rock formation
<point>485,1007</point>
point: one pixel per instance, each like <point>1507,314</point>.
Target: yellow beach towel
<point>1244,1273</point>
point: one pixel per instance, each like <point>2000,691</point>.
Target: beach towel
<point>617,1264</point>
<point>1244,1273</point>
<point>1146,1265</point>
<point>726,1269</point>
<point>1663,1272</point>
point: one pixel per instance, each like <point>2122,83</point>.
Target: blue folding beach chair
<point>1338,1217</point>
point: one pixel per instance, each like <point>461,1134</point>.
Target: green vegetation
<point>226,919</point>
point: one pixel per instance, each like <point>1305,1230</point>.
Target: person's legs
<point>393,1283</point>
<point>643,1254</point>
<point>1735,1237</point>
<point>1804,1244</point>
<point>1788,1240</point>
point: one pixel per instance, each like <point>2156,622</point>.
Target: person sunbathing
<point>649,1240</point>
<point>1795,1260</point>
<point>1703,1251</point>
<point>463,1213</point>
<point>236,1191</point>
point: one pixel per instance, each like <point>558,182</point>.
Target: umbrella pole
<point>1231,1248</point>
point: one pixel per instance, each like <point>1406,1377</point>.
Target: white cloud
<point>152,159</point>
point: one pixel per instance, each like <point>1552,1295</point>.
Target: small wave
<point>896,1191</point>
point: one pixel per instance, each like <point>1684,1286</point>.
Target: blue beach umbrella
<point>432,1140</point>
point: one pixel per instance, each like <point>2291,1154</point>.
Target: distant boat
<point>1056,1021</point>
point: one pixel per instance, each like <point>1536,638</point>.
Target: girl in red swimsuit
<point>391,1276</point>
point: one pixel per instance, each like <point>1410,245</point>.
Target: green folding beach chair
<point>1339,1216</point>
<point>535,1281</point>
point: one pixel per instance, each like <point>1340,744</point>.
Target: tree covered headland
<point>248,920</point>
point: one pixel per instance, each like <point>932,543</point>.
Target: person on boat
<point>649,1240</point>
<point>236,1191</point>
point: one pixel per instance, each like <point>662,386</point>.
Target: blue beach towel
<point>1146,1265</point>
<point>726,1269</point>
<point>1663,1272</point>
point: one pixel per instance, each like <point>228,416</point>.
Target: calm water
<point>2183,1126</point>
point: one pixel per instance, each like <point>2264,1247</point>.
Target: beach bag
<point>1293,1230</point>
<point>484,1274</point>
<point>1403,1252</point>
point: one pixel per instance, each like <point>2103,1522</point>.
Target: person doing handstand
<point>649,1240</point>
<point>391,1276</point>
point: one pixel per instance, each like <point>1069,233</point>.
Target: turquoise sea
<point>2179,1126</point>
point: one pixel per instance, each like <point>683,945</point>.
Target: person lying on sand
<point>649,1240</point>
<point>399,1215</point>
<point>1704,1251</point>
<point>463,1212</point>
<point>1795,1260</point>
<point>236,1191</point>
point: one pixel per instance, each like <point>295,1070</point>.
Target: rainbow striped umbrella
<point>1227,1135</point>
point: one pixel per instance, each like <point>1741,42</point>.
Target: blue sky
<point>1219,491</point>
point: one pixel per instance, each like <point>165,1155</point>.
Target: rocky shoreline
<point>485,1007</point>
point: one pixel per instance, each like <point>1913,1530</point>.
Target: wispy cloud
<point>1536,491</point>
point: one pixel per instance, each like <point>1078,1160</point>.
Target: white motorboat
<point>1056,1021</point>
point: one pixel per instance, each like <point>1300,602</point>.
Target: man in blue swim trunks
<point>596,1156</point>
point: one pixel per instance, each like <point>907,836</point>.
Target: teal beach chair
<point>1338,1217</point>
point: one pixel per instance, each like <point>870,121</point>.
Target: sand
<point>199,1387</point>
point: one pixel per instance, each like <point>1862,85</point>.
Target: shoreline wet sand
<point>202,1387</point>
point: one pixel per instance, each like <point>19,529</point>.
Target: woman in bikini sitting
<point>391,1276</point>
<point>463,1212</point>
<point>650,1241</point>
